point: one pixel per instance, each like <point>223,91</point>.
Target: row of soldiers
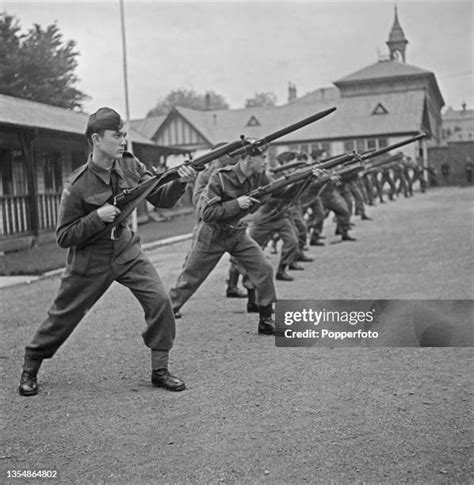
<point>230,221</point>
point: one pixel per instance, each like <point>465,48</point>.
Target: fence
<point>16,218</point>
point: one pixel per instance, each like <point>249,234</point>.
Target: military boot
<point>282,275</point>
<point>252,306</point>
<point>266,325</point>
<point>346,237</point>
<point>232,289</point>
<point>28,379</point>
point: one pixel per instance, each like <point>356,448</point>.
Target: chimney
<point>208,100</point>
<point>291,92</point>
<point>464,105</point>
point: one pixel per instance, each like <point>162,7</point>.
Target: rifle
<point>354,156</point>
<point>357,164</point>
<point>129,199</point>
<point>288,166</point>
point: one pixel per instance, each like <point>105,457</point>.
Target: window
<point>253,122</point>
<point>12,172</point>
<point>380,110</point>
<point>52,172</point>
<point>326,146</point>
<point>360,146</point>
<point>348,145</point>
<point>371,144</point>
<point>383,142</point>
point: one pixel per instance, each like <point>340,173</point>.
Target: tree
<point>38,65</point>
<point>262,100</point>
<point>188,98</point>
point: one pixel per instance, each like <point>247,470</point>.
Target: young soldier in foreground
<point>93,265</point>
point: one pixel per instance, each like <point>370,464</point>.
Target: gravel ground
<point>255,413</point>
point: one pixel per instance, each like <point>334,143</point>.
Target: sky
<point>237,49</point>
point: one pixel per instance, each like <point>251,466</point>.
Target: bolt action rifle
<point>129,199</point>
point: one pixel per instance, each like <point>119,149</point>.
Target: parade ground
<point>254,412</point>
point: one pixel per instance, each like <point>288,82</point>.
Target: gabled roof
<point>23,112</point>
<point>148,126</point>
<point>385,69</point>
<point>353,118</point>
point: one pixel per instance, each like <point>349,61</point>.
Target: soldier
<point>358,200</point>
<point>468,170</point>
<point>272,218</point>
<point>333,201</point>
<point>367,183</point>
<point>232,291</point>
<point>95,263</point>
<point>399,176</point>
<point>387,177</point>
<point>222,206</point>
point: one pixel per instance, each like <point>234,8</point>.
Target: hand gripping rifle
<point>348,166</point>
<point>129,199</point>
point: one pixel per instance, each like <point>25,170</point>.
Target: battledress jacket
<point>218,202</point>
<point>89,188</point>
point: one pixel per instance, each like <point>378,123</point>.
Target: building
<point>455,153</point>
<point>377,105</point>
<point>40,146</point>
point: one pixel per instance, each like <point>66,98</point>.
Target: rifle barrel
<point>388,148</point>
<point>284,131</point>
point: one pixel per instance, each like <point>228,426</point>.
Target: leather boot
<point>232,290</point>
<point>346,237</point>
<point>28,379</point>
<point>282,275</point>
<point>295,266</point>
<point>266,325</point>
<point>315,241</point>
<point>303,258</point>
<point>252,306</point>
<point>163,378</point>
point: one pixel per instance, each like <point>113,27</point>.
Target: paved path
<point>254,413</point>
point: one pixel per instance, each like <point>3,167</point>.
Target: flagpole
<point>134,221</point>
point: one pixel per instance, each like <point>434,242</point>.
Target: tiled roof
<point>23,112</point>
<point>148,126</point>
<point>383,70</point>
<point>353,118</point>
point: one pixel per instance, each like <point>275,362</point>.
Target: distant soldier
<point>468,170</point>
<point>386,177</point>
<point>445,172</point>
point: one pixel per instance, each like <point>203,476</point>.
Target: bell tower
<point>397,42</point>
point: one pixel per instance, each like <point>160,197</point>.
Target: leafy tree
<point>188,98</point>
<point>262,100</point>
<point>38,65</point>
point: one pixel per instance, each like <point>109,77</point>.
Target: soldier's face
<point>111,144</point>
<point>257,164</point>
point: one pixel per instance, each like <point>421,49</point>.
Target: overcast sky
<point>238,49</point>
